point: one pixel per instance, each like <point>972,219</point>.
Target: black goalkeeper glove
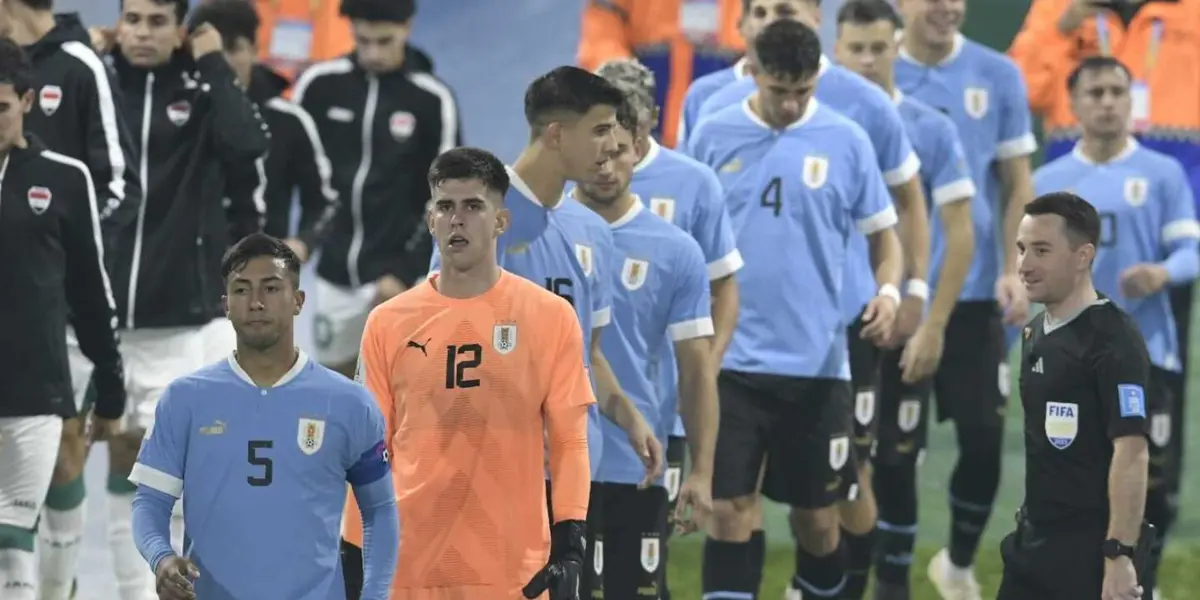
<point>561,574</point>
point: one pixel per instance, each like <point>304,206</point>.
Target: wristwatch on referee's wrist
<point>1114,549</point>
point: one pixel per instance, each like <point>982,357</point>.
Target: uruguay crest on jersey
<point>310,435</point>
<point>975,102</point>
<point>816,171</point>
<point>633,273</point>
<point>650,554</point>
<point>663,207</point>
<point>583,253</point>
<point>504,338</point>
<point>839,452</point>
<point>1137,189</point>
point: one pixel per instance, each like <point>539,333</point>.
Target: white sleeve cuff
<point>963,189</point>
<point>688,330</point>
<point>155,479</point>
<point>602,317</point>
<point>726,265</point>
<point>1182,229</point>
<point>907,170</point>
<point>878,221</point>
<point>1021,146</point>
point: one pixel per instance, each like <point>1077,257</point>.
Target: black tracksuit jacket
<point>194,126</point>
<point>50,238</point>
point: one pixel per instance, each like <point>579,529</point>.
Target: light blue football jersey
<point>860,100</point>
<point>945,175</point>
<point>1146,215</point>
<point>660,296</point>
<point>982,91</point>
<point>263,474</point>
<point>569,258</point>
<point>699,92</point>
<point>797,198</point>
<point>686,193</point>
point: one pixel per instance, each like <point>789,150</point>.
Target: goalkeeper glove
<point>561,574</point>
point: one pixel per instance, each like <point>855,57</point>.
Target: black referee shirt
<point>1083,384</point>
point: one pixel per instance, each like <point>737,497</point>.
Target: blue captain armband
<point>371,466</point>
<point>1133,400</point>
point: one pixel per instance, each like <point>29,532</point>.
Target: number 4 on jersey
<point>772,196</point>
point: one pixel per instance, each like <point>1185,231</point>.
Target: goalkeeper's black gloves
<point>561,574</point>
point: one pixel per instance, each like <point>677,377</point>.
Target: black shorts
<point>629,550</point>
<point>903,425</point>
<point>801,428</point>
<point>864,378</point>
<point>1166,429</point>
<point>972,382</point>
<point>676,453</point>
<point>1059,566</point>
<point>589,580</point>
<point>352,569</point>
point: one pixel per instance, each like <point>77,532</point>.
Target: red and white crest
<point>50,98</point>
<point>402,124</point>
<point>39,199</point>
<point>179,112</point>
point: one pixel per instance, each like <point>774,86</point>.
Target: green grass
<point>1180,570</point>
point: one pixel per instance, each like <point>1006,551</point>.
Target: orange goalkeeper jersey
<point>468,388</point>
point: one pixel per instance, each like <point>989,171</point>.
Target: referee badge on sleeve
<point>1062,423</point>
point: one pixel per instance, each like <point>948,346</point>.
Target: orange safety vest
<point>296,33</point>
<point>652,32</point>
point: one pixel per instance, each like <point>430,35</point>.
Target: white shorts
<point>153,359</point>
<point>28,452</point>
<point>341,316</point>
<point>220,340</point>
<point>81,369</point>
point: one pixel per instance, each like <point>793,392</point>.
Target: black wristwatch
<point>1114,549</point>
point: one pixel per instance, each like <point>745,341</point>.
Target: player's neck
<point>1102,149</point>
<point>927,54</point>
<point>537,169</point>
<point>266,367</point>
<point>20,143</point>
<point>1083,296</point>
<point>612,212</point>
<point>467,283</point>
<point>29,26</point>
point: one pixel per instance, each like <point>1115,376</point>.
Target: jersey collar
<point>809,111</point>
<point>651,154</point>
<point>897,96</point>
<point>1049,327</point>
<point>956,48</point>
<point>630,215</point>
<point>523,188</point>
<point>825,64</point>
<point>741,69</point>
<point>1131,146</point>
<point>294,372</point>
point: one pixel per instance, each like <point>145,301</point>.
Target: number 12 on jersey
<point>772,195</point>
<point>459,360</point>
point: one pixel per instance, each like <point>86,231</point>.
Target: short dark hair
<point>388,11</point>
<point>865,12</point>
<point>466,162</point>
<point>1081,221</point>
<point>788,48</point>
<point>568,90</point>
<point>38,4</point>
<point>14,67</point>
<point>258,245</point>
<point>746,5</point>
<point>180,6</point>
<point>233,19</point>
<point>1095,63</point>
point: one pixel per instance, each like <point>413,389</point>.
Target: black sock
<point>820,576</point>
<point>973,487</point>
<point>858,563</point>
<point>895,533</point>
<point>727,567</point>
<point>758,557</point>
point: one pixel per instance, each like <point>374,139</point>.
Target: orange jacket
<point>300,19</point>
<point>651,31</point>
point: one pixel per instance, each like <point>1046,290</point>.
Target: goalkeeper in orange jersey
<point>471,368</point>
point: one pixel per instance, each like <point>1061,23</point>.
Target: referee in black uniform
<point>1084,372</point>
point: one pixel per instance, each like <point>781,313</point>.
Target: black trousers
<point>352,570</point>
<point>1063,565</point>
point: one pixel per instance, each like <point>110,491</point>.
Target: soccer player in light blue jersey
<point>800,181</point>
<point>867,45</point>
<point>1149,241</point>
<point>982,91</point>
<point>660,297</point>
<point>687,193</point>
<point>260,447</point>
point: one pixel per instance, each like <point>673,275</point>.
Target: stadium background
<point>488,50</point>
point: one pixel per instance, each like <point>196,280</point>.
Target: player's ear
<point>503,218</point>
<point>225,305</point>
<point>300,298</point>
<point>26,101</point>
<point>552,137</point>
<point>1087,256</point>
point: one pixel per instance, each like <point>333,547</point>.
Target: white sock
<point>18,574</point>
<point>134,579</point>
<point>60,538</point>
